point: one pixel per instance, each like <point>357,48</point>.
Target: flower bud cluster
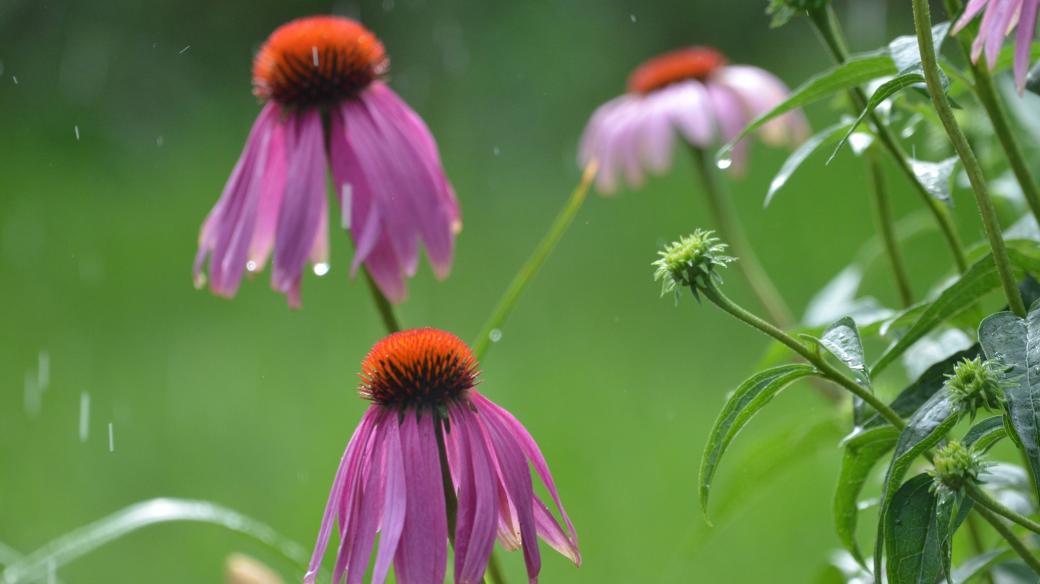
<point>690,262</point>
<point>953,465</point>
<point>976,384</point>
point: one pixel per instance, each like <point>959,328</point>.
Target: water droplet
<point>199,281</point>
<point>111,438</point>
<point>250,266</point>
<point>724,163</point>
<point>15,79</point>
<point>84,416</point>
<point>159,141</point>
<point>632,17</point>
<point>76,130</point>
<point>496,151</point>
<point>314,55</point>
<point>321,268</point>
<point>495,335</point>
<point>184,50</point>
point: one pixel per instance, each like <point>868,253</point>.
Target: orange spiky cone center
<point>680,65</point>
<point>418,368</point>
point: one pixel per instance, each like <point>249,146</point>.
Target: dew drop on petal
<point>495,335</point>
<point>321,268</point>
<point>250,266</point>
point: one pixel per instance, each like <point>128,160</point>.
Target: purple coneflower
<point>326,105</point>
<point>693,92</point>
<point>1000,18</point>
<point>391,477</point>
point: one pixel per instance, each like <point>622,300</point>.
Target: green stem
<point>729,229</point>
<point>383,306</point>
<point>933,78</point>
<point>827,27</point>
<point>883,209</point>
<point>994,106</point>
<point>983,498</point>
<point>978,545</point>
<point>826,370</point>
<point>534,263</point>
<point>1009,536</point>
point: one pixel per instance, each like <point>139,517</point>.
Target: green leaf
<point>919,527</point>
<point>1006,57</point>
<point>855,71</point>
<point>982,436</point>
<point>842,340</point>
<point>904,79</point>
<point>1016,342</point>
<point>935,177</point>
<point>746,401</point>
<point>904,50</point>
<point>34,566</point>
<point>980,564</point>
<point>923,430</point>
<point>795,160</point>
<point>924,387</point>
<point>862,452</point>
<point>980,279</point>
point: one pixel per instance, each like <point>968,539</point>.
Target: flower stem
<point>829,30</point>
<point>729,228</point>
<point>383,306</point>
<point>534,263</point>
<point>930,66</point>
<point>994,106</point>
<point>825,369</point>
<point>984,499</point>
<point>1009,536</point>
<point>885,226</point>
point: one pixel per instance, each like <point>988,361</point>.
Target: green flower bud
<point>953,465</point>
<point>784,10</point>
<point>976,384</point>
<point>690,262</point>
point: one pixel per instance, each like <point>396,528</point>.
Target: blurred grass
<point>249,404</point>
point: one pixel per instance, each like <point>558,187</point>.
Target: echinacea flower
<point>391,479</point>
<point>998,20</point>
<point>691,92</point>
<point>327,106</point>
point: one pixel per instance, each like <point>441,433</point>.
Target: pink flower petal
<point>730,118</point>
<point>477,519</point>
<point>1024,41</point>
<point>394,504</point>
<point>760,91</point>
<point>422,553</point>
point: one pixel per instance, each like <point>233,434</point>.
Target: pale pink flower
<point>690,93</point>
<point>998,20</point>
<point>390,480</point>
<point>326,105</point>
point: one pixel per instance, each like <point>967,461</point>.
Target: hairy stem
<point>933,78</point>
<point>1009,536</point>
<point>729,229</point>
<point>994,106</point>
<point>826,25</point>
<point>983,498</point>
<point>541,252</point>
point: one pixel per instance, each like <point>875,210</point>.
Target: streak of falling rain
<point>184,50</point>
<point>159,141</point>
<point>84,416</point>
<point>76,130</point>
<point>111,438</point>
<point>314,55</point>
<point>496,151</point>
<point>632,17</point>
<point>15,79</point>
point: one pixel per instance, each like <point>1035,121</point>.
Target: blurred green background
<point>249,404</point>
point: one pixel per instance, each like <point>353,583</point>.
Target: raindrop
<point>250,266</point>
<point>15,79</point>
<point>184,50</point>
<point>76,130</point>
<point>321,268</point>
<point>496,151</point>
<point>159,140</point>
<point>84,416</point>
<point>347,192</point>
<point>111,438</point>
<point>495,335</point>
<point>632,17</point>
<point>199,280</point>
<point>724,163</point>
<point>314,55</point>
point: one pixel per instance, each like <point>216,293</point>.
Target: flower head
<point>692,93</point>
<point>999,18</point>
<point>327,106</point>
<point>954,464</point>
<point>976,384</point>
<point>421,384</point>
<point>690,262</point>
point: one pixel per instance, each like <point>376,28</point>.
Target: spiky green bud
<point>690,262</point>
<point>953,465</point>
<point>976,384</point>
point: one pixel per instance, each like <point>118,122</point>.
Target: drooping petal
<point>478,498</point>
<point>353,501</point>
<point>422,551</point>
<point>730,117</point>
<point>304,202</point>
<point>1024,41</point>
<point>691,111</point>
<point>270,201</point>
<point>531,451</point>
<point>550,532</point>
<point>394,504</point>
<point>369,509</point>
<point>346,477</point>
<point>760,91</point>
<point>607,140</point>
<point>1003,15</point>
<point>970,12</point>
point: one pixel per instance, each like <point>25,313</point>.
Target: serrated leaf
<point>856,70</point>
<point>904,79</point>
<point>795,160</point>
<point>935,177</point>
<point>746,401</point>
<point>842,340</point>
<point>924,387</point>
<point>923,430</point>
<point>1016,343</point>
<point>979,565</point>
<point>905,52</point>
<point>982,436</point>
<point>919,527</point>
<point>862,452</point>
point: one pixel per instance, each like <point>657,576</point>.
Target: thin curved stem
<point>729,229</point>
<point>827,27</point>
<point>883,209</point>
<point>994,106</point>
<point>1009,536</point>
<point>541,252</point>
<point>983,498</point>
<point>826,370</point>
<point>383,306</point>
<point>933,78</point>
